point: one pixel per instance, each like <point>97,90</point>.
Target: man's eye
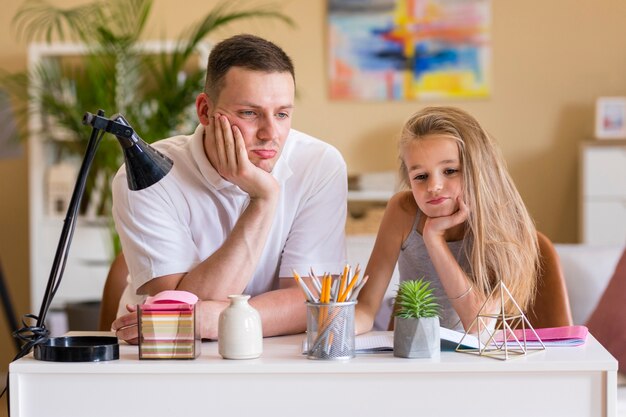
<point>247,113</point>
<point>282,115</point>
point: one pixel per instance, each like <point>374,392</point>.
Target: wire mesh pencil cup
<point>330,330</point>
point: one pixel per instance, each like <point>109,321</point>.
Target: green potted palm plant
<point>416,322</point>
<point>155,90</point>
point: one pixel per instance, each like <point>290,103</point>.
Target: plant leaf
<point>415,299</point>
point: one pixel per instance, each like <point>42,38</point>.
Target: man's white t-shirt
<point>173,225</point>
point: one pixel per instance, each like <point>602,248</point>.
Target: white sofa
<point>587,270</point>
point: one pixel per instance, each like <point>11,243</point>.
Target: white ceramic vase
<point>240,335</point>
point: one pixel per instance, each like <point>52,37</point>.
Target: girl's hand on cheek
<point>437,226</point>
<point>462,213</point>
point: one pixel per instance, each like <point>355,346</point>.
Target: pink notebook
<point>553,336</point>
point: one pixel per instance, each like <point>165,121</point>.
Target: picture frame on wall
<point>611,118</point>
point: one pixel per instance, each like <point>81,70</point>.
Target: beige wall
<point>551,59</point>
<point>13,202</point>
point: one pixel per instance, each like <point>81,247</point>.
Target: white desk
<point>573,381</point>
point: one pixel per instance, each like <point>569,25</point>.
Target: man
<point>248,199</point>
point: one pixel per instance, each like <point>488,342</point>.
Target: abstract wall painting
<point>409,49</point>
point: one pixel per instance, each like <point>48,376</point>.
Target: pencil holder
<point>330,330</point>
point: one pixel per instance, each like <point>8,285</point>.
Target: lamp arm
<point>69,224</point>
<point>33,335</point>
<point>145,166</point>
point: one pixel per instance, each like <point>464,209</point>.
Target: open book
<point>382,341</point>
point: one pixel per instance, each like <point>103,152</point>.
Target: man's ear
<point>204,106</point>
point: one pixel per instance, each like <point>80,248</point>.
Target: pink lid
<point>173,297</point>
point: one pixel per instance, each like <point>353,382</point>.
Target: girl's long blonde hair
<point>504,239</point>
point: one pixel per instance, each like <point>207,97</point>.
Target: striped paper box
<point>168,326</point>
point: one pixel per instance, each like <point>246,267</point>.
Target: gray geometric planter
<point>416,338</point>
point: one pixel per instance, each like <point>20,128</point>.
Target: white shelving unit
<point>374,189</point>
<point>90,252</point>
<point>603,192</point>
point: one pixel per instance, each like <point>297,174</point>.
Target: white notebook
<point>373,342</point>
<point>382,341</point>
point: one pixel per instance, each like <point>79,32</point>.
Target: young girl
<point>462,226</point>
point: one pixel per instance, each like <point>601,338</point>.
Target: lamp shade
<point>145,165</point>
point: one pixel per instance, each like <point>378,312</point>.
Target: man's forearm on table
<point>282,311</point>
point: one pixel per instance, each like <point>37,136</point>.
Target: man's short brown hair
<point>245,51</point>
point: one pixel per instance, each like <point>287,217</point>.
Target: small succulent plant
<point>415,299</point>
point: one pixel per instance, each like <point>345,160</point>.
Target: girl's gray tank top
<point>414,263</point>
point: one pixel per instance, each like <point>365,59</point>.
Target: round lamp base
<point>78,349</point>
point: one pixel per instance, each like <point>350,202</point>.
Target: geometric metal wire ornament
<point>508,339</point>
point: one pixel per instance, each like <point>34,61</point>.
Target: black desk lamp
<point>145,166</point>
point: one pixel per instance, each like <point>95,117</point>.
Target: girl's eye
<point>420,177</point>
<point>451,171</point>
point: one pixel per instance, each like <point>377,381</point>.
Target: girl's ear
<point>204,106</point>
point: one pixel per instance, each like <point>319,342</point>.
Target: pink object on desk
<point>165,298</point>
<point>553,336</point>
<point>168,326</point>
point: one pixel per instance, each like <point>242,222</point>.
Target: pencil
<point>316,281</point>
<point>344,276</point>
<point>323,293</point>
<point>323,299</point>
<point>307,292</point>
<point>353,281</point>
<point>329,284</point>
<point>334,290</point>
<point>358,288</point>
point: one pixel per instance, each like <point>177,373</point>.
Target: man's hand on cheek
<point>232,161</point>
